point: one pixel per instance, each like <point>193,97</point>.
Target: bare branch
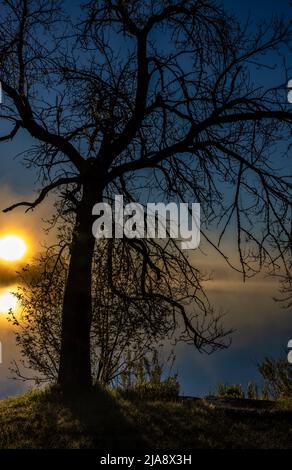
<point>44,192</point>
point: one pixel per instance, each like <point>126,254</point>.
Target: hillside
<point>43,419</point>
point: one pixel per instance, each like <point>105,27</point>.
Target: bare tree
<point>126,325</point>
<point>159,95</point>
<point>122,332</point>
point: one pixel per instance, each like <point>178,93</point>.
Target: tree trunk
<point>75,365</point>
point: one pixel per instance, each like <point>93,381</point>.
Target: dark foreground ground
<point>102,420</point>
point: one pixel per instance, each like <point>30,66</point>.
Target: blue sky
<point>15,175</point>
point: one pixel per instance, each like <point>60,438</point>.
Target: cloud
<point>10,352</point>
<point>8,275</point>
<point>30,225</point>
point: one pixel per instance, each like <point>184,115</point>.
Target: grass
<point>99,419</point>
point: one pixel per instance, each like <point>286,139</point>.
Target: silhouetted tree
<point>158,96</point>
<point>122,331</point>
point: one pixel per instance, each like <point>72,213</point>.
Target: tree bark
<point>75,364</point>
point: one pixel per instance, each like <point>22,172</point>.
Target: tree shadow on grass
<point>91,419</point>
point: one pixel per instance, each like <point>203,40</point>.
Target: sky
<point>262,326</point>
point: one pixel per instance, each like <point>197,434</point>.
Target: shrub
<point>252,391</point>
<point>230,391</point>
<point>145,381</point>
<point>277,374</point>
<point>167,389</point>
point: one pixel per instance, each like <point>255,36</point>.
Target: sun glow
<point>12,248</point>
<point>7,301</point>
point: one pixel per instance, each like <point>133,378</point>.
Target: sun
<point>7,301</point>
<point>12,248</point>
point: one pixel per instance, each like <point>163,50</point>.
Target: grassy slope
<point>102,420</point>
